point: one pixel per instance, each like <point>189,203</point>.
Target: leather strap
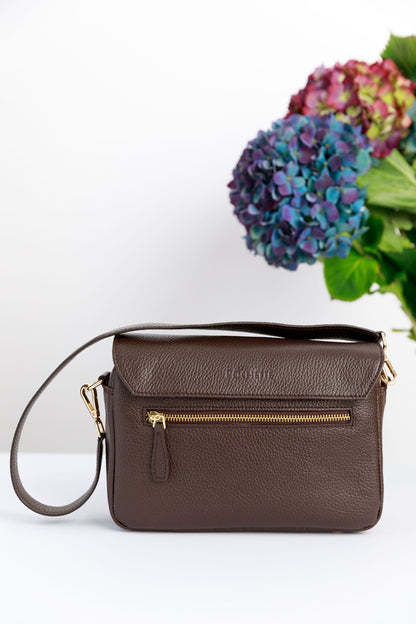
<point>305,332</point>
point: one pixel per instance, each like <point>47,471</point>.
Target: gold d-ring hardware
<point>92,405</point>
<point>388,374</point>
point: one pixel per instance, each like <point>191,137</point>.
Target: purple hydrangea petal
<point>349,160</point>
<point>280,250</point>
<point>308,136</point>
<point>279,177</point>
<point>342,147</point>
<point>350,195</point>
<point>331,211</point>
<point>310,245</point>
<point>285,189</point>
<point>323,182</point>
<point>316,208</point>
<point>334,162</point>
<point>305,154</point>
<point>258,154</point>
<point>318,233</point>
<point>290,215</point>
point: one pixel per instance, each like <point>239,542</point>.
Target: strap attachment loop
<point>92,405</point>
<point>388,374</point>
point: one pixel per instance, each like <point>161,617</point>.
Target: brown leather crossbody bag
<point>277,430</point>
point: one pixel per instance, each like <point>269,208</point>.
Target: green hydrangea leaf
<point>391,183</point>
<point>412,235</point>
<point>409,294</point>
<point>371,238</point>
<point>402,50</point>
<point>402,221</point>
<point>398,218</point>
<point>392,240</point>
<point>351,277</point>
<point>387,271</point>
<point>405,261</point>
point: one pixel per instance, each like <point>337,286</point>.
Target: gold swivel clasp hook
<point>388,374</point>
<point>92,404</point>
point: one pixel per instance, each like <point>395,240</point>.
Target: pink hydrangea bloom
<point>376,96</point>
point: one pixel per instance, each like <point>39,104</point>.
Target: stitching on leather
<point>242,394</point>
<point>379,452</point>
<point>256,529</point>
<point>113,471</point>
<point>379,463</point>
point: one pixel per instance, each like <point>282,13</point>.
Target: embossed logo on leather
<point>247,374</point>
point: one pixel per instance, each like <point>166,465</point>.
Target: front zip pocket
<point>160,419</point>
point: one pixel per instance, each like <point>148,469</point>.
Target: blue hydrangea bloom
<point>294,189</point>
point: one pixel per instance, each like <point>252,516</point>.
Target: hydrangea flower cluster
<point>375,96</point>
<point>294,189</point>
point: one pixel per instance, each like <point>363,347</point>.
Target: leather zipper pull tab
<point>159,464</point>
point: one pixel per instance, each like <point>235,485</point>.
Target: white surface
<point>83,568</point>
<point>120,123</point>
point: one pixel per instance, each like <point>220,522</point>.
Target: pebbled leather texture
<point>234,366</point>
<point>242,476</point>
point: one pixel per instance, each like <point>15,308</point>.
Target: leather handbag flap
<point>245,366</point>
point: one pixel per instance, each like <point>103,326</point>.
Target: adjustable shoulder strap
<point>342,332</point>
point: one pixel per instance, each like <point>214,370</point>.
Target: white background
<point>120,125</point>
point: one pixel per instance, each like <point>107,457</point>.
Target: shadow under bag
<point>277,430</point>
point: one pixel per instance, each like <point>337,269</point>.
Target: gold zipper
<point>159,464</point>
<point>155,417</point>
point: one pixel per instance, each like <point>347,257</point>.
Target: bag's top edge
<point>193,366</point>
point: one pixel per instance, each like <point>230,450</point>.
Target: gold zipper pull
<point>159,464</point>
<point>156,417</point>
